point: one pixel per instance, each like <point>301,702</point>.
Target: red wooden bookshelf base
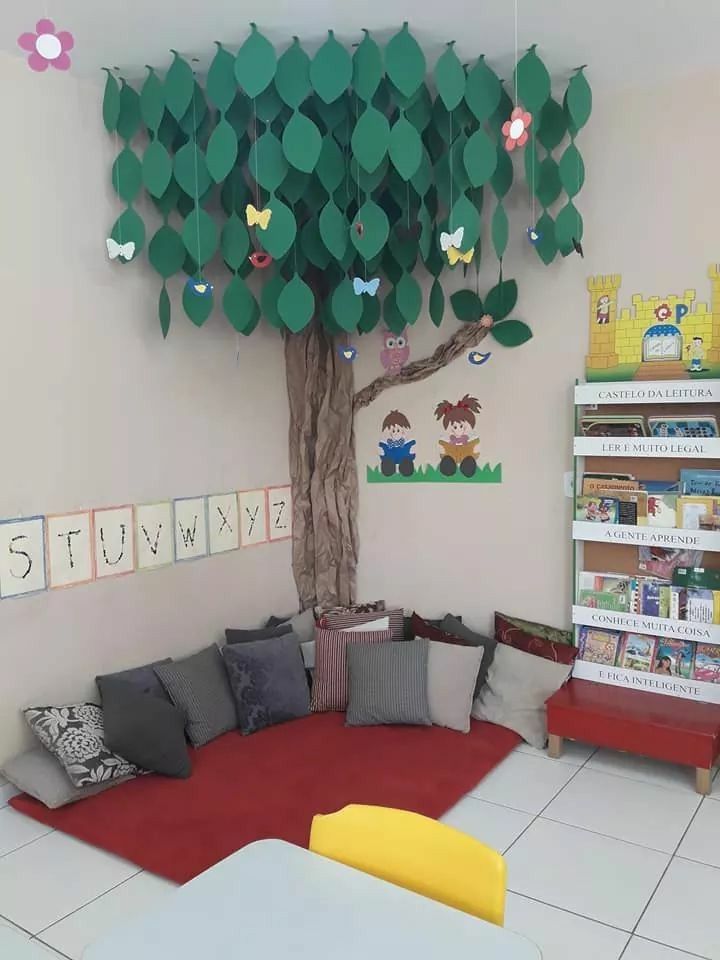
<point>664,728</point>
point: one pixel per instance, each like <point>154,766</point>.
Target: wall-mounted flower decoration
<point>515,129</point>
<point>47,47</point>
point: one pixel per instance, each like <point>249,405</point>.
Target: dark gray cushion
<point>142,678</point>
<point>198,685</point>
<point>452,625</point>
<point>268,681</point>
<point>301,624</point>
<point>387,683</point>
<point>39,774</point>
<point>233,635</point>
<point>148,731</point>
<point>409,634</point>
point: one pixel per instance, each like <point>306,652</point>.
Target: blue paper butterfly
<point>370,287</point>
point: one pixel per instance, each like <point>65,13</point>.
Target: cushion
<point>233,635</point>
<point>554,634</point>
<point>458,628</point>
<point>75,735</point>
<point>333,620</point>
<point>146,730</point>
<point>517,687</point>
<point>388,683</point>
<point>409,634</point>
<point>371,606</point>
<point>143,678</point>
<point>452,672</point>
<point>301,624</point>
<point>506,632</point>
<point>268,682</point>
<point>199,686</point>
<point>329,690</point>
<point>431,630</point>
<point>38,773</point>
<point>382,623</point>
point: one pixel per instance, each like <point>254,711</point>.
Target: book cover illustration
<point>674,658</point>
<point>703,483</point>
<point>604,583</point>
<point>599,646</point>
<point>707,663</point>
<point>693,575</point>
<point>650,598</point>
<point>637,652</point>
<point>664,561</point>
<point>613,426</point>
<point>599,600</point>
<point>662,509</point>
<point>691,511</point>
<point>596,482</point>
<point>682,427</point>
<point>700,605</point>
<point>632,504</point>
<point>597,509</point>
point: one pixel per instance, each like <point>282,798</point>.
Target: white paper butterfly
<point>448,240</point>
<point>124,250</point>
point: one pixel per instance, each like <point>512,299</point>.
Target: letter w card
<point>191,536</point>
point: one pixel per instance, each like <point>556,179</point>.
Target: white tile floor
<point>609,856</point>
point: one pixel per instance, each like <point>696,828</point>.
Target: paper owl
<point>396,351</point>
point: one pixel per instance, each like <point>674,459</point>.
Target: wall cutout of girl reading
<point>459,451</point>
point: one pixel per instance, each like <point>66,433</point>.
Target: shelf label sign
<point>658,446</point>
<point>648,681</point>
<point>657,393</point>
<point>611,620</point>
<point>646,536</point>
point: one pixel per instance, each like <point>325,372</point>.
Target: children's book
<point>597,509</point>
<point>649,597</point>
<point>594,482</point>
<point>660,486</point>
<point>599,646</point>
<point>678,603</point>
<point>599,600</point>
<point>682,427</point>
<point>637,651</point>
<point>691,510</point>
<point>707,663</point>
<point>692,575</point>
<point>663,561</point>
<point>700,605</point>
<point>703,483</point>
<point>605,583</point>
<point>632,505</point>
<point>662,509</point>
<point>674,657</point>
<point>613,426</point>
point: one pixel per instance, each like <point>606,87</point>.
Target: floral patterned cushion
<point>553,634</point>
<point>75,735</point>
<point>508,633</point>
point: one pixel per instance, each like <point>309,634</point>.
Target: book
<point>599,600</point>
<point>605,583</point>
<point>597,509</point>
<point>637,651</point>
<point>700,605</point>
<point>594,482</point>
<point>660,486</point>
<point>613,426</point>
<point>674,658</point>
<point>599,646</point>
<point>695,576</point>
<point>691,509</point>
<point>707,663</point>
<point>682,426</point>
<point>632,505</point>
<point>678,603</point>
<point>704,483</point>
<point>662,509</point>
<point>663,561</point>
<point>649,594</point>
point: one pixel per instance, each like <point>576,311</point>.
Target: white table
<point>275,901</point>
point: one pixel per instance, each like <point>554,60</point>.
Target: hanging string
<point>516,53</point>
<point>450,162</point>
<point>197,184</point>
<point>257,157</point>
<point>117,183</point>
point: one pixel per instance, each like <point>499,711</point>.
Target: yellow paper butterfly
<point>259,217</point>
<point>455,255</point>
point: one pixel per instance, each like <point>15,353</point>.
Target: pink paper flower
<point>515,129</point>
<point>47,47</point>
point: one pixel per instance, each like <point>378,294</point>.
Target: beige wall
<point>650,211</point>
<point>97,410</point>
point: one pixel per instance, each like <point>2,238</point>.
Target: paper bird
<point>347,353</point>
<point>477,359</point>
<point>201,288</point>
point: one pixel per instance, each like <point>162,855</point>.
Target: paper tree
<point>333,169</point>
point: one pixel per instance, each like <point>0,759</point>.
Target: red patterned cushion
<point>508,633</point>
<point>342,619</point>
<point>329,690</point>
<point>428,631</point>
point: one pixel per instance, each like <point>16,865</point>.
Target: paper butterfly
<point>347,353</point>
<point>370,287</point>
<point>534,236</point>
<point>259,217</point>
<point>200,288</point>
<point>455,255</point>
<point>449,240</point>
<point>477,359</point>
<point>124,250</point>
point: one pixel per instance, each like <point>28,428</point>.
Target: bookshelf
<point>606,548</point>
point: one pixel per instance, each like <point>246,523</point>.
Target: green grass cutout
<point>430,474</point>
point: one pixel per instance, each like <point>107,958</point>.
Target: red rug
<point>271,784</point>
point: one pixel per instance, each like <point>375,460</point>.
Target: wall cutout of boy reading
<point>396,449</point>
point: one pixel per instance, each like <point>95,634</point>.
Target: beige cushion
<point>452,672</point>
<point>38,773</point>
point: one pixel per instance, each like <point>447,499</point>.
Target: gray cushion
<point>148,731</point>
<point>518,685</point>
<point>143,678</point>
<point>452,671</point>
<point>234,635</point>
<point>301,624</point>
<point>452,625</point>
<point>39,774</point>
<point>387,683</point>
<point>199,686</point>
<point>268,682</point>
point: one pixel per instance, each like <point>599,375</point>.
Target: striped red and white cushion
<point>330,681</point>
<point>342,620</point>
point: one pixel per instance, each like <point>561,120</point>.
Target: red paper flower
<point>47,47</point>
<point>515,129</point>
<point>260,260</point>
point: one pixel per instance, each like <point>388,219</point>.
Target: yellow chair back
<point>415,852</point>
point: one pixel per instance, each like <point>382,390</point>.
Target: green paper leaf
<point>426,232</point>
<point>511,333</point>
<point>405,62</point>
<point>501,114</point>
<point>391,268</point>
<point>127,175</point>
<point>578,101</point>
<point>179,86</point>
<point>394,320</point>
<point>301,142</point>
<point>408,297</point>
<point>191,121</point>
<point>370,139</point>
<point>422,179</point>
<point>568,227</point>
<point>376,228</point>
<point>368,182</point>
<point>334,230</point>
<point>437,303</point>
<point>220,85</point>
<point>332,114</point>
<point>266,161</point>
<point>347,307</point>
<point>501,299</point>
<point>467,305</point>
<point>295,186</point>
<point>292,78</point>
<point>281,231</point>
<point>465,214</point>
<point>480,157</point>
<point>403,252</point>
<point>296,304</point>
<point>502,178</point>
<point>164,312</point>
<point>169,199</point>
<point>129,227</point>
<point>152,101</point>
<point>200,236</point>
<point>255,63</point>
<point>167,131</point>
<point>547,182</point>
<point>331,70</point>
<point>482,91</point>
<point>166,252</point>
<point>222,151</point>
<point>234,242</point>
<point>190,170</point>
<point>436,261</point>
<point>553,125</point>
<point>450,78</point>
<point>572,170</point>
<point>546,247</point>
<point>238,115</point>
<point>367,68</point>
<point>330,167</point>
<point>111,102</point>
<point>312,244</point>
<point>235,193</point>
<point>129,118</point>
<point>370,315</point>
<point>269,300</point>
<point>450,183</point>
<point>197,309</point>
<point>532,81</point>
<point>500,231</point>
<point>405,148</point>
<point>239,305</point>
